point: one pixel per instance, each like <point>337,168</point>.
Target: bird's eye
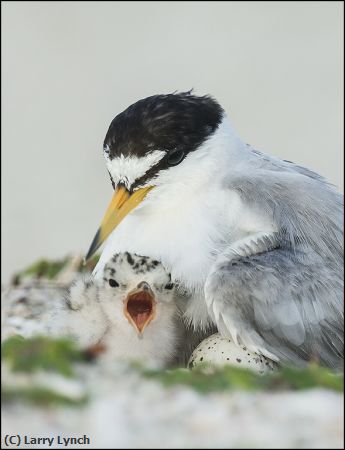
<point>169,286</point>
<point>175,157</point>
<point>113,283</point>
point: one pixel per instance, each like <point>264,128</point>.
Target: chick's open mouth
<point>140,309</point>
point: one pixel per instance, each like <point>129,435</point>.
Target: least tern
<point>129,313</point>
<point>256,241</point>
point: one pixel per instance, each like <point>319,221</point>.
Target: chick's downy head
<point>137,293</point>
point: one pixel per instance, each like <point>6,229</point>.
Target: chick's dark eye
<point>175,157</point>
<point>169,286</point>
<point>113,283</point>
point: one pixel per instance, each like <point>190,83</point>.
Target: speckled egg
<point>219,351</point>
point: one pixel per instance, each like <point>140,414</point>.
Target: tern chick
<point>129,313</point>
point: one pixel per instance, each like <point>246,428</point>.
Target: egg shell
<point>219,351</point>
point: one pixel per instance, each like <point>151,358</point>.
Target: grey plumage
<point>284,293</point>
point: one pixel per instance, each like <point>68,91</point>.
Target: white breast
<point>186,232</point>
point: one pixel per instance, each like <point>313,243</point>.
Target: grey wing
<point>306,210</point>
<point>286,299</point>
<point>287,305</point>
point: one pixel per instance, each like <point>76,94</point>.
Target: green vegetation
<point>44,269</point>
<point>60,355</point>
<point>205,379</point>
<point>41,353</point>
<point>50,269</point>
<point>39,396</point>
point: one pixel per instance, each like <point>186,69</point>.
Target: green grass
<point>60,355</point>
<point>50,269</point>
<point>39,396</point>
<point>41,353</point>
<point>205,379</point>
<point>44,268</point>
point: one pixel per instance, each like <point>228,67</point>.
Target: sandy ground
<point>128,411</point>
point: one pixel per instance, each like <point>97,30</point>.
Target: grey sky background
<point>69,67</point>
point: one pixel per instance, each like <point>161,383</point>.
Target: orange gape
<point>140,308</point>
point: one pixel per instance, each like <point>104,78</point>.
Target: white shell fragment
<point>219,351</point>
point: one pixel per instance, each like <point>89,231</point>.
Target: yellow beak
<point>121,204</point>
